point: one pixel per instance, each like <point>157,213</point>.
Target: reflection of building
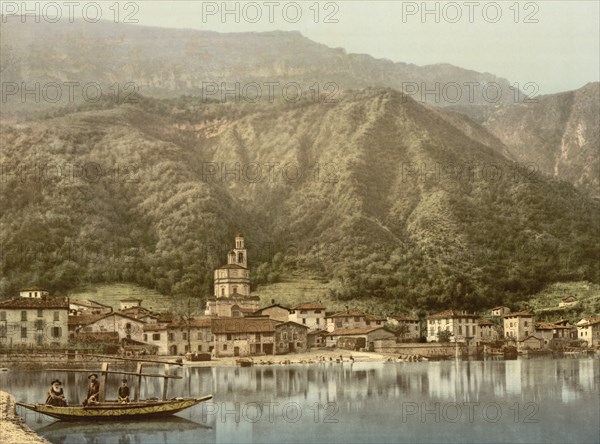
<point>518,325</point>
<point>460,324</point>
<point>232,286</point>
<point>34,318</point>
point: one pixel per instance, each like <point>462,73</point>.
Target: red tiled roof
<point>25,303</point>
<point>88,303</point>
<point>452,314</point>
<point>484,322</point>
<point>155,327</point>
<point>33,289</point>
<point>356,331</point>
<point>242,325</point>
<point>260,310</point>
<point>310,306</point>
<point>90,319</point>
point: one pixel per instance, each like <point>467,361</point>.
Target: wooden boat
<point>113,410</point>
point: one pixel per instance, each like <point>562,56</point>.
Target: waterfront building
<point>274,311</point>
<point>588,330</point>
<point>352,319</point>
<point>408,327</point>
<point>291,337</point>
<point>461,326</point>
<point>518,326</point>
<point>358,338</point>
<point>243,336</point>
<point>34,319</point>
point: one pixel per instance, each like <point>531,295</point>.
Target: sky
<point>551,44</point>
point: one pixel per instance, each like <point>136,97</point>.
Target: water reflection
<point>524,400</point>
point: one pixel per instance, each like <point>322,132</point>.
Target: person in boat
<point>93,390</point>
<point>123,395</point>
<point>56,396</point>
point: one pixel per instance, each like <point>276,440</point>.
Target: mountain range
<point>425,203</point>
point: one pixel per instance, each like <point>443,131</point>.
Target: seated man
<point>56,395</point>
<point>123,392</point>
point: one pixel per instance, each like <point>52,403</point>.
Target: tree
<point>444,335</point>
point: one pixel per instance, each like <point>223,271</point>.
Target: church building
<point>232,286</point>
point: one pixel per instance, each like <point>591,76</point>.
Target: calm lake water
<point>526,400</point>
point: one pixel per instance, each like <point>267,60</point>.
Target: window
<point>285,335</point>
<point>356,319</point>
<point>184,336</point>
<point>2,331</point>
<point>318,321</point>
<point>368,323</point>
<point>525,323</point>
<point>57,316</point>
<point>156,336</point>
<point>56,333</point>
<point>304,321</point>
<point>23,315</point>
<point>317,311</point>
<point>460,329</point>
<point>257,336</point>
<point>187,348</point>
<point>145,337</point>
<point>23,332</point>
<point>200,348</point>
<point>40,313</point>
<point>224,347</point>
<point>303,312</point>
<point>199,335</point>
<point>39,324</point>
<point>229,337</point>
<point>222,291</point>
<point>171,337</point>
<point>294,336</point>
<point>2,316</point>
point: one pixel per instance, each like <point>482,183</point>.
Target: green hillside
<point>125,196</point>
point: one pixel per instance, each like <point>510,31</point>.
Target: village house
<point>461,325</point>
<point>311,314</point>
<point>408,327</point>
<point>124,304</point>
<point>358,338</point>
<point>156,335</point>
<point>192,336</point>
<point>518,326</point>
<point>34,319</point>
<point>352,319</point>
<point>290,337</point>
<point>243,336</point>
<point>568,301</point>
<point>128,328</point>
<point>530,342</point>
<point>500,311</point>
<point>552,334</point>
<point>232,286</point>
<point>588,330</point>
<point>316,338</point>
<point>83,306</point>
<point>486,331</point>
<point>274,311</point>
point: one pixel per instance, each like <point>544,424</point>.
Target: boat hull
<point>113,410</point>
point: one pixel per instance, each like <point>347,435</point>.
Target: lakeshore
<point>13,429</point>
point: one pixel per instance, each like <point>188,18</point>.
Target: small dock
<point>13,429</point>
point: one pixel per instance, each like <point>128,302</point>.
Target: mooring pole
<point>103,375</point>
<point>165,383</point>
<point>138,382</point>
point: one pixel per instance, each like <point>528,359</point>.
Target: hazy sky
<point>555,44</point>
